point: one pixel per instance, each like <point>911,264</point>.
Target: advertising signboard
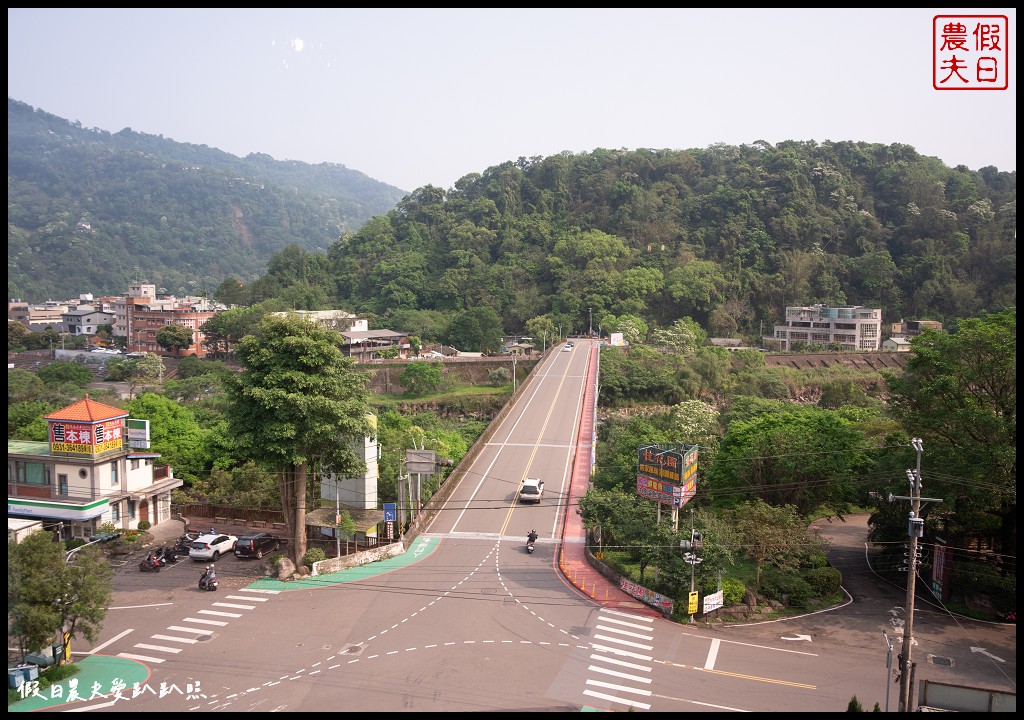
<point>667,474</point>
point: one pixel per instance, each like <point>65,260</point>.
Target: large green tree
<point>174,337</point>
<point>49,592</point>
<point>958,393</point>
<point>298,404</point>
<point>807,458</point>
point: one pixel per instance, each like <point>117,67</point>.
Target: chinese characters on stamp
<point>970,52</point>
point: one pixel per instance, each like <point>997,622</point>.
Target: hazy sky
<point>414,97</point>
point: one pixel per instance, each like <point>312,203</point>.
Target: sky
<point>416,97</point>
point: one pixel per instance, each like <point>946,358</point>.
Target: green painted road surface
<point>422,547</point>
<point>99,677</point>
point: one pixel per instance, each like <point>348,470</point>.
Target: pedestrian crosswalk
<point>620,659</point>
<point>175,638</point>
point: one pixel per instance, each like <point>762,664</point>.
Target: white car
<point>531,490</point>
<point>567,348</point>
<point>211,547</point>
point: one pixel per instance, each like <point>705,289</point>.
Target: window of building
<point>33,473</point>
<point>135,464</point>
<point>131,509</point>
<point>62,484</point>
<point>113,473</point>
<point>115,512</point>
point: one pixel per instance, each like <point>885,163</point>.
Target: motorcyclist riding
<point>208,576</point>
<point>532,537</point>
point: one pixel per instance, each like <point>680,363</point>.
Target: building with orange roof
<point>95,468</point>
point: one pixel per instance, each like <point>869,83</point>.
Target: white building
<point>87,474</point>
<point>851,327</point>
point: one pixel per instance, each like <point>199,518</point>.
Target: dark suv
<point>256,545</point>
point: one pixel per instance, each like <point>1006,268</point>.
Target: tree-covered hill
<point>726,235</point>
<point>91,211</point>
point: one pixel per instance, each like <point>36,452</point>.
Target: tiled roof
<point>87,411</point>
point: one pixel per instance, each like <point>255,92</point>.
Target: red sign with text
<point>970,52</point>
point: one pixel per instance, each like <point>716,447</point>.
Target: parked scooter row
<point>184,543</point>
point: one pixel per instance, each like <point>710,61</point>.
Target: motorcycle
<point>150,564</point>
<point>208,581</point>
<point>184,543</point>
<point>167,556</point>
<point>530,540</point>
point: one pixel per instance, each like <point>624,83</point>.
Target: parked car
<point>531,490</point>
<point>211,547</point>
<point>256,545</point>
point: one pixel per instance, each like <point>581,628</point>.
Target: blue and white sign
<point>390,512</point>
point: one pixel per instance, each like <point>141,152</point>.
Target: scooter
<point>530,540</point>
<point>167,555</point>
<point>208,581</point>
<point>150,564</point>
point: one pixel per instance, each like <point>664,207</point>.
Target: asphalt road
<point>467,621</point>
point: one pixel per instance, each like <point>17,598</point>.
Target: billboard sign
<point>138,433</point>
<point>667,474</point>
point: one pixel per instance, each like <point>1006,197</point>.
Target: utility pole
<point>915,529</point>
<point>690,548</point>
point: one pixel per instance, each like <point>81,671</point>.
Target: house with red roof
<point>95,468</point>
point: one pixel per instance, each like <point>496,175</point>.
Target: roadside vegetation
<point>803,444</point>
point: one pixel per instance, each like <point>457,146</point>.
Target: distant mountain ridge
<point>91,211</point>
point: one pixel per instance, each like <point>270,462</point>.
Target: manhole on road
<point>940,660</point>
<point>353,650</point>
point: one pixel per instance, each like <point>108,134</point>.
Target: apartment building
<point>852,327</point>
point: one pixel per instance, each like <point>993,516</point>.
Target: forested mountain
<point>91,211</point>
<point>726,235</point>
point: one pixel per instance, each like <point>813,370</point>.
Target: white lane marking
<point>709,664</point>
<point>630,633</point>
<point>617,651</point>
<point>616,673</point>
<point>143,658</point>
<point>220,614</point>
<point>162,648</point>
<point>608,638</point>
<point>111,640</point>
<point>206,622</point>
<point>172,638</point>
<point>621,663</point>
<point>637,618</point>
<point>612,698</point>
<point>623,622</point>
<point>180,628</point>
<point>234,605</point>
<point>620,688</point>
<point>246,597</point>
<point>257,590</point>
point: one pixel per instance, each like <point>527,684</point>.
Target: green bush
<point>791,590</point>
<point>144,525</point>
<point>313,555</point>
<point>74,543</point>
<point>733,591</point>
<point>108,527</point>
<point>824,581</point>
